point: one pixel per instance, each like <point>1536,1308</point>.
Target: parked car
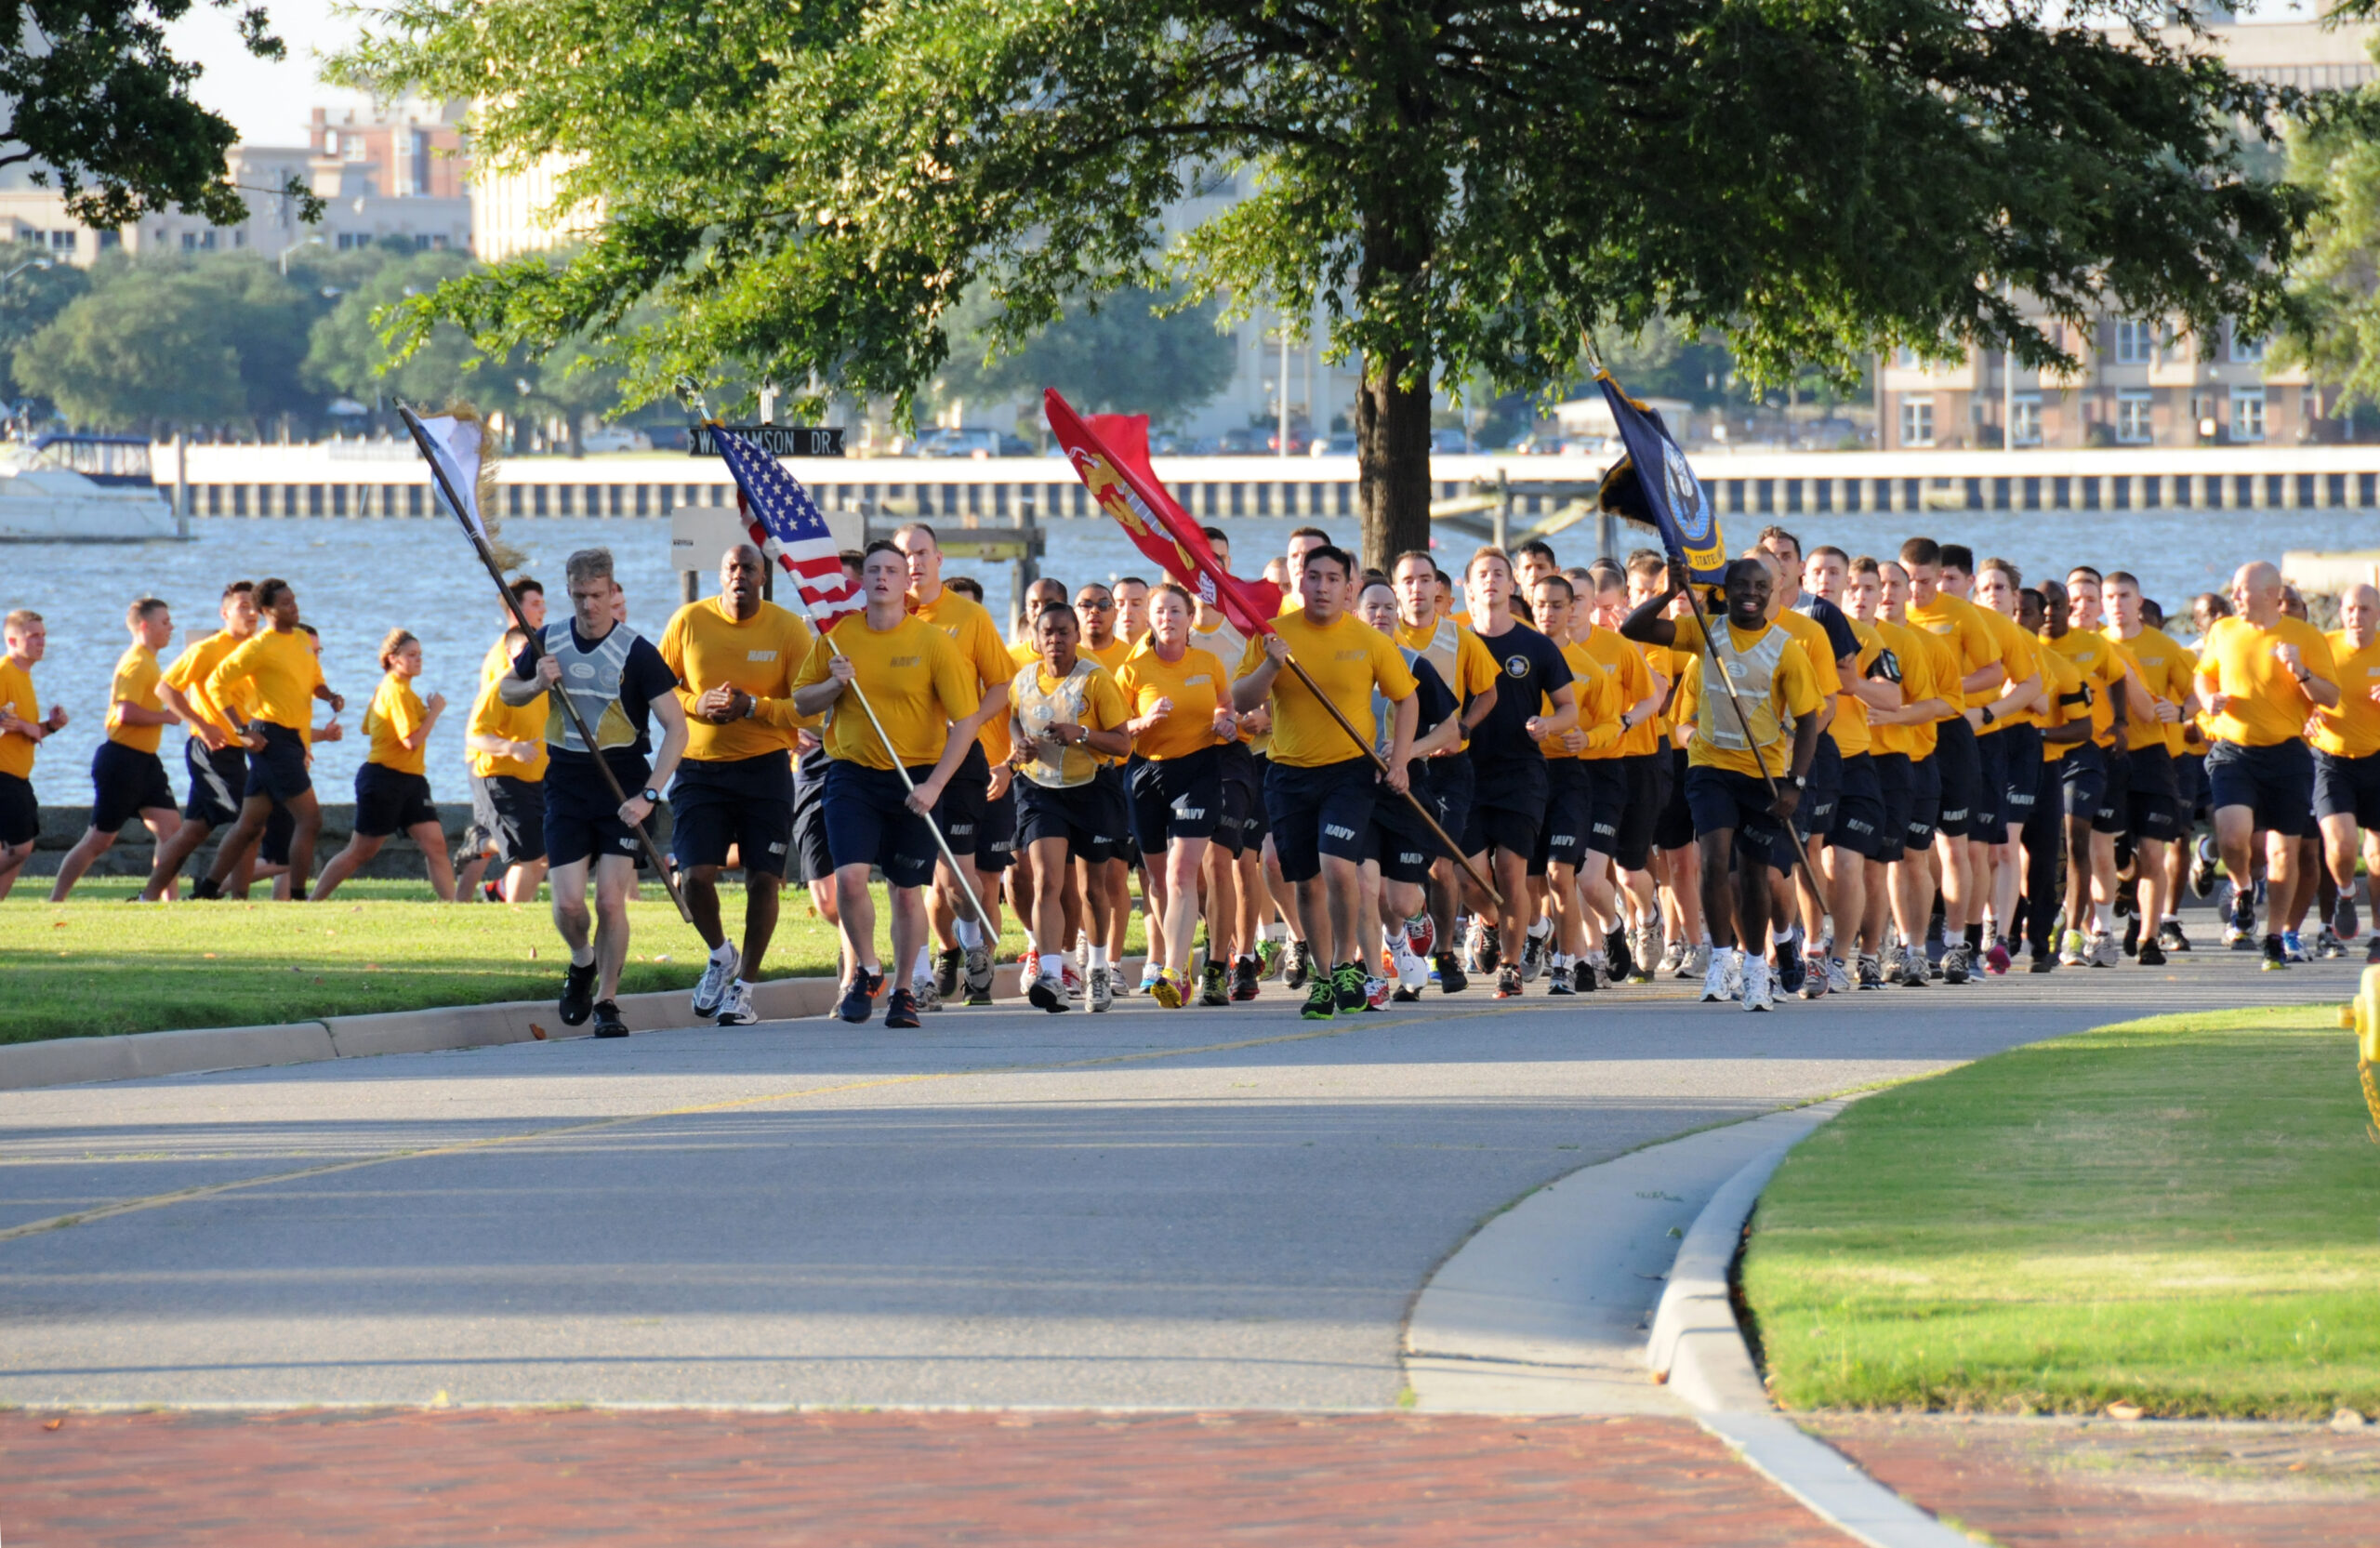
<point>1337,443</point>
<point>615,438</point>
<point>959,443</point>
<point>1247,441</point>
<point>1450,441</point>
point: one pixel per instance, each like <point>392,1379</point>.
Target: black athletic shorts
<point>1991,824</point>
<point>2276,783</point>
<point>1924,803</point>
<point>510,813</point>
<point>747,803</point>
<point>1398,839</point>
<point>1573,791</point>
<point>278,769</point>
<point>20,813</point>
<point>996,837</point>
<point>2346,787</point>
<point>2189,785</point>
<point>1088,818</point>
<point>1721,799</point>
<point>124,783</point>
<point>1958,772</point>
<point>1453,784</point>
<point>1859,824</point>
<point>1814,813</point>
<point>390,801</point>
<point>2154,806</point>
<point>272,845</point>
<point>1118,778</point>
<point>1260,822</point>
<point>1674,827</point>
<point>959,812</point>
<point>1897,788</point>
<point>1240,794</point>
<point>2082,780</point>
<point>869,823</point>
<point>1320,811</point>
<point>1177,798</point>
<point>2114,812</point>
<point>1507,806</point>
<point>216,782</point>
<point>1607,802</point>
<point>810,816</point>
<point>2021,782</point>
<point>582,816</point>
<point>1646,775</point>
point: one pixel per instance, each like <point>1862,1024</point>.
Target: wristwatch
<point>1987,716</point>
<point>1801,782</point>
<point>652,796</point>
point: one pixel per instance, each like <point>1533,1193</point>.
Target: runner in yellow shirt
<point>2347,761</point>
<point>2093,772</point>
<point>392,787</point>
<point>1463,664</point>
<point>217,762</point>
<point>1179,697</point>
<point>128,777</point>
<point>1752,741</point>
<point>1930,681</point>
<point>23,728</point>
<point>1858,842</point>
<point>1096,612</point>
<point>1958,758</point>
<point>1070,720</point>
<point>2161,694</point>
<point>506,749</point>
<point>280,667</point>
<point>2009,737</point>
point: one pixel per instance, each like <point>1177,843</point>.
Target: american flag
<point>775,507</point>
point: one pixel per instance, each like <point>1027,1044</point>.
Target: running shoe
<point>1300,968</point>
<point>1244,974</point>
<point>1996,957</point>
<point>1048,994</point>
<point>1955,964</point>
<point>874,981</point>
<point>491,891</point>
<point>1376,993</point>
<point>607,1020</point>
<point>1697,962</point>
<point>1719,978</point>
<point>2151,954</point>
<point>901,1010</point>
<point>1487,948</point>
<point>1422,935</point>
<point>1789,976</point>
<point>2043,962</point>
<point>1535,948</point>
<point>1871,971</point>
<point>1582,977</point>
<point>1646,948</point>
<point>2169,936</point>
<point>1890,959</point>
<point>979,975</point>
<point>2105,953</point>
<point>2202,866</point>
<point>578,994</point>
<point>2127,898</point>
<point>1673,958</point>
<point>2327,944</point>
<point>1102,988</point>
<point>1148,980</point>
<point>1619,962</point>
<point>1451,977</point>
<point>1561,978</point>
<point>856,1006</point>
<point>1321,1001</point>
<point>2073,951</point>
<point>2131,936</point>
<point>1756,993</point>
<point>1165,991</point>
<point>1405,997</point>
<point>1072,980</point>
<point>1214,985</point>
<point>1814,978</point>
<point>736,1006</point>
<point>2276,955</point>
<point>1268,958</point>
<point>1411,971</point>
<point>1508,981</point>
<point>2372,949</point>
<point>1352,984</point>
<point>1912,970</point>
<point>2288,944</point>
<point>923,993</point>
<point>2243,922</point>
<point>949,969</point>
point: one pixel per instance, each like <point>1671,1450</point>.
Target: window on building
<point>2132,426</point>
<point>2025,419</point>
<point>350,241</point>
<point>190,242</point>
<point>1906,359</point>
<point>2244,350</point>
<point>2135,342</point>
<point>32,237</point>
<point>2247,413</point>
<point>1917,421</point>
<point>330,143</point>
<point>111,239</point>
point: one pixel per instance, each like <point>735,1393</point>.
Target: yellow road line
<point>184,1195</point>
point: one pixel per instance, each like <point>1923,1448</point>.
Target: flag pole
<point>513,606</point>
<point>761,537</point>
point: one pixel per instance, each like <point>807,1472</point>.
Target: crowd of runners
<point>1824,772</point>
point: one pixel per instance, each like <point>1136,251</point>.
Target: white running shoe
<point>1412,971</point>
<point>1755,989</point>
<point>1721,979</point>
<point>1838,976</point>
<point>1696,963</point>
<point>735,1008</point>
<point>718,973</point>
<point>1102,988</point>
<point>927,996</point>
<point>2106,950</point>
<point>1673,958</point>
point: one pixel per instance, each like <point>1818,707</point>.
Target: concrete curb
<point>73,1061</point>
<point>1697,1344</point>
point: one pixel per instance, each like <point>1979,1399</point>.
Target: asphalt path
<point>1193,1208</point>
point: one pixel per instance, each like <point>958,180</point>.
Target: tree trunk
<point>1392,460</point>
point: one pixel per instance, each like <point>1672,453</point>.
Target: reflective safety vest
<point>591,678</point>
<point>1754,673</point>
<point>1037,710</point>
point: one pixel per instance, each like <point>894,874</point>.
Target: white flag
<point>453,445</point>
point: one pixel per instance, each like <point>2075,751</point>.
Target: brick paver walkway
<point>871,1480</point>
<point>2040,1482</point>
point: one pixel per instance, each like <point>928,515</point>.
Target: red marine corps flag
<point>1119,479</point>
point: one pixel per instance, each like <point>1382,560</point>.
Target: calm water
<point>356,580</point>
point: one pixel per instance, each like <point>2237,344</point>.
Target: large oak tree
<point>1464,189</point>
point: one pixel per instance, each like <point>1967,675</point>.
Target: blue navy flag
<point>1671,498</point>
<point>781,516</point>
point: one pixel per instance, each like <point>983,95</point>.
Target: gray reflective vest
<point>1037,709</point>
<point>1753,674</point>
<point>591,677</point>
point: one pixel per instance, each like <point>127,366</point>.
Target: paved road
<point>1224,1209</point>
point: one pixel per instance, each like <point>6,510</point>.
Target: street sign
<point>776,440</point>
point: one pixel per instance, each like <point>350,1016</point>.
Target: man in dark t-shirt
<point>1508,799</point>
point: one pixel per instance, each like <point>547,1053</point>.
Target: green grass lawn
<point>2184,1213</point>
<point>99,965</point>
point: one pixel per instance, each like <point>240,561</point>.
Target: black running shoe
<point>1452,982</point>
<point>948,970</point>
<point>1301,967</point>
<point>2043,962</point>
<point>1243,978</point>
<point>2343,919</point>
<point>1347,978</point>
<point>1508,981</point>
<point>856,1006</point>
<point>578,994</point>
<point>2243,914</point>
<point>607,1020</point>
<point>2151,954</point>
<point>1790,969</point>
<point>1213,987</point>
<point>207,890</point>
<point>2276,955</point>
<point>1582,977</point>
<point>1321,1001</point>
<point>2132,935</point>
<point>1618,962</point>
<point>901,1010</point>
